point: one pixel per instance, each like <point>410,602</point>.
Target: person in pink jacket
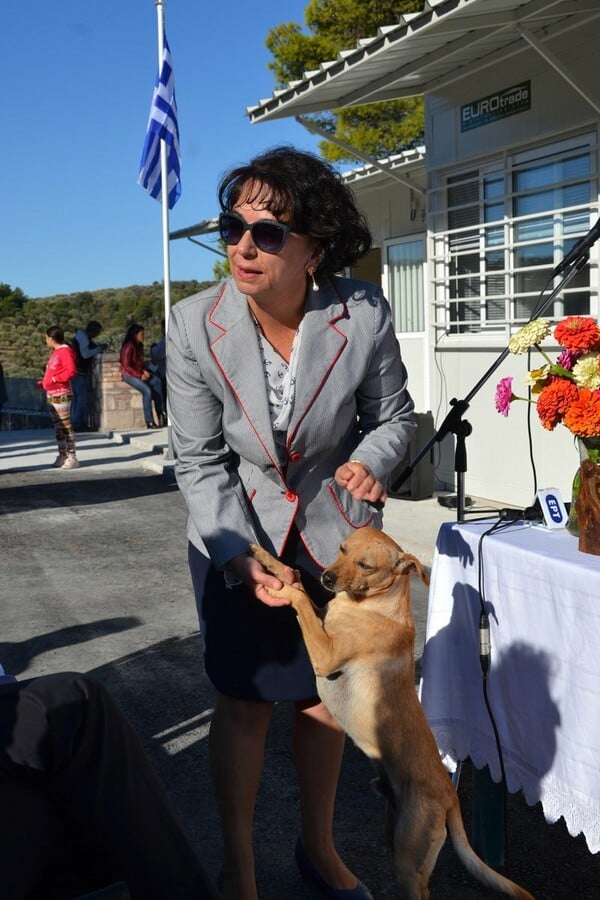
<point>60,368</point>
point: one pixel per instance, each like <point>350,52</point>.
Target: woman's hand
<point>358,479</point>
<point>256,579</point>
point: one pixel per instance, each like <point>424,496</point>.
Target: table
<point>543,600</point>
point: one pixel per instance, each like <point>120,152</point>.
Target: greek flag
<point>162,124</point>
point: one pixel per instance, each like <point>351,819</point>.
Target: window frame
<point>451,254</point>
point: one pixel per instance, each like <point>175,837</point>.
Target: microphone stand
<point>461,429</point>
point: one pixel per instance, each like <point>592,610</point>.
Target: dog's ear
<point>410,565</point>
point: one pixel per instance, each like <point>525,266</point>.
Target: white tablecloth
<point>543,600</point>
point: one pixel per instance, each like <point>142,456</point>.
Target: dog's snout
<point>328,579</point>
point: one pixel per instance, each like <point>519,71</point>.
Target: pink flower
<point>567,359</point>
<point>504,395</point>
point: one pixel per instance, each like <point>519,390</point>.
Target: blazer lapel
<point>322,346</point>
<point>237,353</point>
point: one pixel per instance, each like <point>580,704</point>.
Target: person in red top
<point>60,368</point>
<point>136,374</point>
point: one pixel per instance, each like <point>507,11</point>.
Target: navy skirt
<point>252,651</point>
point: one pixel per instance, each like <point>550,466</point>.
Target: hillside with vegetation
<point>24,320</point>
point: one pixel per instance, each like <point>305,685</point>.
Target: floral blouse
<point>280,378</point>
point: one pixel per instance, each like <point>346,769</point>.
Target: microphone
<point>529,514</point>
<point>510,515</point>
<point>484,642</point>
<point>579,249</point>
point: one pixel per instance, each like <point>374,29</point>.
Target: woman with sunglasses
<point>289,410</point>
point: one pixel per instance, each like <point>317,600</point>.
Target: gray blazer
<point>351,403</point>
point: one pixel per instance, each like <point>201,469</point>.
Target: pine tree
<point>377,129</point>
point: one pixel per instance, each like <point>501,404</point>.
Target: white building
<point>469,233</point>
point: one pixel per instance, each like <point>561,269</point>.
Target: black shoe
<point>152,425</point>
<point>309,873</point>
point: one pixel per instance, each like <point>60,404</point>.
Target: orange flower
<point>583,416</point>
<point>554,401</point>
<point>580,333</point>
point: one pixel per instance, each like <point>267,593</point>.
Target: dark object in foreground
<point>82,807</point>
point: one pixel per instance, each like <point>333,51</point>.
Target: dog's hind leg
<point>418,839</point>
<point>381,785</point>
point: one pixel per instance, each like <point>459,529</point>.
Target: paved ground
<point>93,577</point>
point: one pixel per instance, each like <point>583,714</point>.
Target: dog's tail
<point>476,866</point>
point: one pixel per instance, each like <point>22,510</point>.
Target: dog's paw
<point>279,595</point>
<point>293,594</point>
<point>272,565</point>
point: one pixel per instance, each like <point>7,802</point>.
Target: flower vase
<point>586,496</point>
<point>572,525</point>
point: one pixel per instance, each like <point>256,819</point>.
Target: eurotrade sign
<point>496,106</point>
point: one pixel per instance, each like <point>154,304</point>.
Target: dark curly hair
<point>309,195</point>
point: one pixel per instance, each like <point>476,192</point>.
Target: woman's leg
<point>65,414</point>
<point>157,393</point>
<point>318,750</point>
<point>237,743</point>
<point>60,410</point>
<point>145,391</point>
<point>58,429</point>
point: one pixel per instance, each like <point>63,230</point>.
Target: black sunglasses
<point>268,235</point>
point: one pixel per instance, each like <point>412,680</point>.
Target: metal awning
<point>207,226</point>
<point>400,166</point>
<point>449,40</point>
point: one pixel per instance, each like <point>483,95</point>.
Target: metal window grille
<point>500,229</point>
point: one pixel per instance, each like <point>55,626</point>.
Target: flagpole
<point>170,453</point>
<point>164,177</point>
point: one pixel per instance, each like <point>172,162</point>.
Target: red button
<point>295,456</point>
<point>291,496</point>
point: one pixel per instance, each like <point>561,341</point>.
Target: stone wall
<point>120,405</point>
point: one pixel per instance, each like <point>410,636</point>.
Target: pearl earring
<point>311,272</point>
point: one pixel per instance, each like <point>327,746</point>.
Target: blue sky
<point>78,80</point>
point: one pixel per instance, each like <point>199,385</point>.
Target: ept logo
<point>554,508</point>
<point>555,514</point>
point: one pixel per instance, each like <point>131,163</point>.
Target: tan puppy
<point>361,646</point>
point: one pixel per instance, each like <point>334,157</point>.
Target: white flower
<point>529,335</point>
<point>586,372</point>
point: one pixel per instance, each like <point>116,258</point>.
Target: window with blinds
<point>406,284</point>
<point>499,230</point>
